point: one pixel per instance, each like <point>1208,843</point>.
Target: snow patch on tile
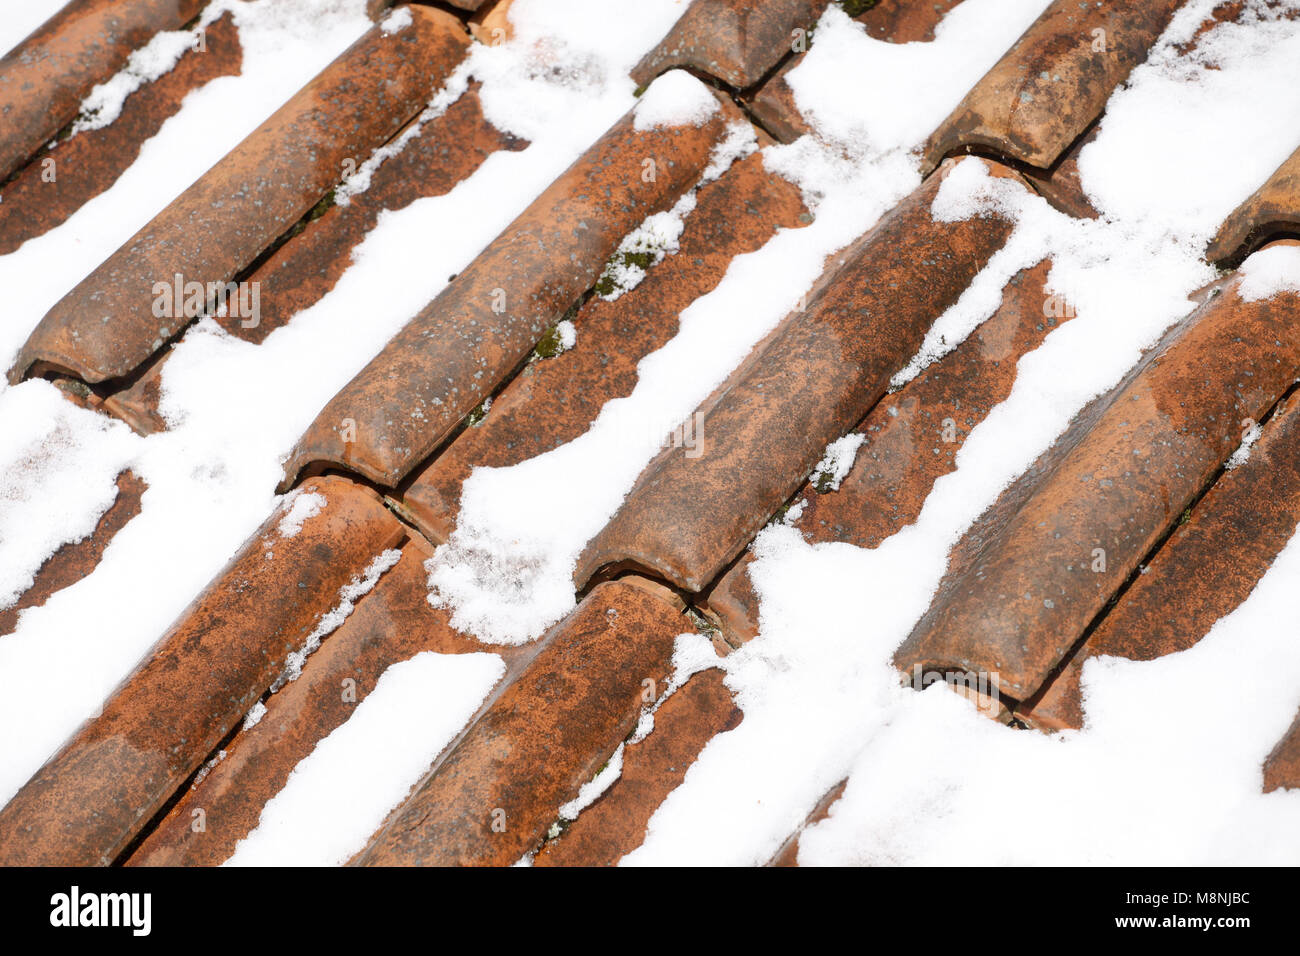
<point>568,334</point>
<point>675,98</point>
<point>151,62</point>
<point>352,592</point>
<point>339,794</point>
<point>1269,273</point>
<point>837,462</point>
<point>397,21</point>
<point>1249,436</point>
<point>58,470</point>
<point>658,235</point>
<point>591,791</point>
<point>302,505</point>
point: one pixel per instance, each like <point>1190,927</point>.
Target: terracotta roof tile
<point>1033,573</point>
<point>816,376</point>
<point>1049,87</point>
<point>70,172</point>
<point>483,325</point>
<point>1219,550</point>
<point>44,80</point>
<point>736,41</point>
<point>107,326</point>
<point>652,769</point>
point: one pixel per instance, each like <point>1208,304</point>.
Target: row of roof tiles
<point>1024,595</point>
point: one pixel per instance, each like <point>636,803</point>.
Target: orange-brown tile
<point>1209,565</point>
<point>492,797</point>
<point>1050,86</point>
<point>460,347</point>
<point>736,41</point>
<point>1031,574</point>
<point>1282,767</point>
<point>814,378</point>
<point>616,823</point>
<point>108,325</point>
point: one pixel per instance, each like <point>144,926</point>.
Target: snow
<point>850,85</point>
<point>837,462</point>
<point>1132,169</point>
<point>254,715</point>
<point>590,791</point>
<point>302,505</point>
<point>150,62</point>
<point>21,19</point>
<point>675,99</point>
<point>57,461</point>
<point>1270,272</point>
<point>398,20</point>
<point>339,795</point>
<point>568,339</point>
<point>1250,434</point>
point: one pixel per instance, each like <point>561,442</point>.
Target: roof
<point>533,444</point>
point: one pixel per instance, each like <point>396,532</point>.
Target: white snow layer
<point>675,99</point>
<point>339,794</point>
<point>1270,272</point>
